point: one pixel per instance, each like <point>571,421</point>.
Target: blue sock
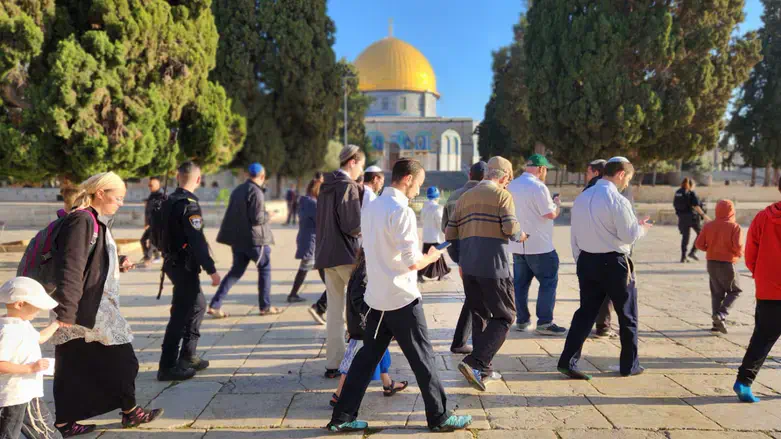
<point>744,392</point>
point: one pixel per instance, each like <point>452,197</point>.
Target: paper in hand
<point>50,370</point>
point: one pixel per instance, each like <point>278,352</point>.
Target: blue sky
<point>457,37</point>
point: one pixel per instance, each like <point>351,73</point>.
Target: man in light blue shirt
<point>604,228</point>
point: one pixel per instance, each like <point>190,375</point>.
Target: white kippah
<point>618,159</point>
<point>373,169</point>
<point>598,162</point>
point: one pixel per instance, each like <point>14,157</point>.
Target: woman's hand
<point>126,265</point>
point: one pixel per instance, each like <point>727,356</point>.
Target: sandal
<point>334,400</point>
<point>217,313</point>
<point>271,311</point>
<point>392,389</point>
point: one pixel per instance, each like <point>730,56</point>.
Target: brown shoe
<point>270,311</point>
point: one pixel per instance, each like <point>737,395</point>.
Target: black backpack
<point>158,222</point>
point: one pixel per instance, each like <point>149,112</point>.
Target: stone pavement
<point>266,379</point>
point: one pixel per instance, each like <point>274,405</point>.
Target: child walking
<point>356,327</point>
<point>720,239</point>
<point>21,365</point>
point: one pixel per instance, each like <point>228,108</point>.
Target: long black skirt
<point>91,379</point>
<point>438,269</point>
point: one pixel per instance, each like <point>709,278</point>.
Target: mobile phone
<point>554,196</point>
<point>442,246</point>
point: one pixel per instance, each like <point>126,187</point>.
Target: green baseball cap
<point>538,160</point>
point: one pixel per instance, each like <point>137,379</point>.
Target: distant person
<point>604,227</point>
<point>305,244</point>
<point>338,234</point>
<point>373,181</point>
<point>21,362</point>
<point>187,252</point>
<point>291,197</point>
<point>479,230</point>
<point>246,228</point>
<point>720,239</point>
<point>394,309</point>
<point>763,251</point>
<point>215,185</point>
<point>594,172</point>
<point>95,365</point>
<point>463,332</point>
<point>319,176</point>
<point>690,214</point>
<point>536,257</point>
<point>431,216</point>
<point>154,201</point>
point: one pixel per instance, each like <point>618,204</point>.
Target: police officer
<point>186,253</point>
<point>604,227</point>
<point>690,214</point>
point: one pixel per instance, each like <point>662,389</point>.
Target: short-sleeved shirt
<point>19,345</point>
<point>532,202</point>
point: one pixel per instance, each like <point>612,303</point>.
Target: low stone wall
<point>49,195</point>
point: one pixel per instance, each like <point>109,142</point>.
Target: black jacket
<point>185,232</point>
<point>246,222</point>
<point>356,306</point>
<point>80,273</point>
<point>591,183</point>
<point>151,202</point>
<point>338,221</point>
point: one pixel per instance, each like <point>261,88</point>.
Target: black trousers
<point>187,310</point>
<point>11,419</point>
<point>492,305</point>
<point>604,275</point>
<point>408,326</point>
<point>149,250</point>
<point>463,328</point>
<point>685,227</point>
<point>767,329</point>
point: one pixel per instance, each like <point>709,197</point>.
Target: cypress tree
<point>96,85</point>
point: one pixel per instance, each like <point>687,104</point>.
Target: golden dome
<point>392,64</point>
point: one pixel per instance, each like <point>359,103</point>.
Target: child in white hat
<point>21,365</point>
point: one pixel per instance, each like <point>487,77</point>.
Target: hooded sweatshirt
<point>763,251</point>
<point>720,238</point>
<point>338,228</point>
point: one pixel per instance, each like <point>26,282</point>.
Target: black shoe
<point>295,299</point>
<point>332,373</point>
<point>465,350</point>
<point>684,260</point>
<point>194,363</point>
<point>139,416</point>
<point>175,374</point>
<point>693,256</point>
<point>75,429</point>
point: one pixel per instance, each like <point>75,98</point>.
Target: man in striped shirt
<point>479,230</point>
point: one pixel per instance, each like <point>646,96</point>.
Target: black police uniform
<point>189,252</point>
<point>688,219</point>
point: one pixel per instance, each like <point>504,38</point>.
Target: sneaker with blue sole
<point>453,423</point>
<point>355,425</point>
<point>472,376</point>
<point>744,392</point>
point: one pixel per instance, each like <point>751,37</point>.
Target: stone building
<point>402,120</point>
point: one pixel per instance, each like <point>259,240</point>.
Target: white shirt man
<point>536,257</point>
<point>373,181</point>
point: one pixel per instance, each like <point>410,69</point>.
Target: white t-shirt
<point>431,216</point>
<point>368,196</point>
<point>19,344</point>
<point>532,202</point>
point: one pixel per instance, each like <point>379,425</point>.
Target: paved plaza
<point>266,375</point>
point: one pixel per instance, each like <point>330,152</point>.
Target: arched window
<point>385,104</point>
<point>378,140</point>
<point>403,103</point>
<point>457,146</point>
<point>423,141</point>
<point>448,145</point>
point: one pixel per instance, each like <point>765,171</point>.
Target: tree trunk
<point>640,176</point>
<point>753,176</point>
<point>279,186</point>
<point>775,176</point>
<point>768,175</point>
<point>653,179</point>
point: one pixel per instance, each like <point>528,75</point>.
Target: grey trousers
<point>724,287</point>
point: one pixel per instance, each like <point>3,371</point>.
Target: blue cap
<point>432,193</point>
<point>255,169</point>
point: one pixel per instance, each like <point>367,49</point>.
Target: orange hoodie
<point>720,238</point>
<point>763,251</point>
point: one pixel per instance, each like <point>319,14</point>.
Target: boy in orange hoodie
<point>763,251</point>
<point>720,239</point>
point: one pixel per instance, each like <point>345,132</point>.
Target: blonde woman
<point>95,366</point>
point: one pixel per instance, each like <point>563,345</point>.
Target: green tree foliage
<point>505,129</point>
<point>95,85</point>
<point>357,106</point>
<point>279,66</point>
<point>754,129</point>
<point>650,80</point>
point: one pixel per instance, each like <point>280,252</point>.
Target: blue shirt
<point>603,221</point>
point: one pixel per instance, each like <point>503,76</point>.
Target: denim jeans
<point>545,267</point>
<point>241,259</point>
